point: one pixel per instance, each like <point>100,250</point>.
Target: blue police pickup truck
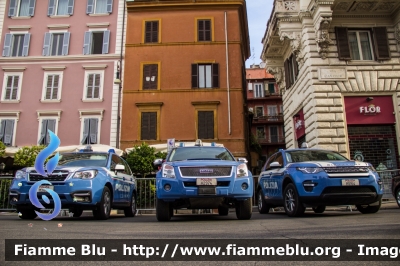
<point>300,178</point>
<point>203,177</point>
<point>85,180</point>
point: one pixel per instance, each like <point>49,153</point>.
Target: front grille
<point>347,169</point>
<point>206,171</point>
<point>58,175</point>
<point>219,184</point>
<point>348,189</point>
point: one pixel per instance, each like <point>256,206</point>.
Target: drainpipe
<point>120,76</point>
<point>227,77</point>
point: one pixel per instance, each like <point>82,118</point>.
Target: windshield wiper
<point>204,159</point>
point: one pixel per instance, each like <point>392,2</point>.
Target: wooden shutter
<point>205,124</point>
<point>7,44</point>
<point>85,133</point>
<point>56,79</point>
<point>96,92</point>
<point>90,7</point>
<point>381,43</point>
<point>195,76</point>
<point>150,71</point>
<point>87,42</point>
<point>204,30</point>
<point>2,127</point>
<point>295,68</point>
<point>149,126</point>
<point>70,10</point>
<point>51,8</point>
<point>106,41</point>
<point>93,129</point>
<point>66,43</point>
<point>51,125</point>
<point>90,86</point>
<point>8,132</point>
<point>25,49</point>
<point>342,41</point>
<point>49,87</point>
<point>46,44</point>
<point>12,9</point>
<point>109,6</point>
<point>287,74</point>
<point>151,31</point>
<point>43,132</point>
<point>215,76</point>
<point>207,30</point>
<point>32,7</point>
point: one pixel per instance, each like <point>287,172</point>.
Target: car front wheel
<point>163,211</point>
<point>293,206</point>
<point>27,214</point>
<point>103,213</point>
<point>244,209</point>
<point>398,196</point>
<point>262,206</point>
<point>131,210</point>
<point>319,209</point>
<point>365,209</point>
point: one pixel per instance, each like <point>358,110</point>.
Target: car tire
<point>104,210</point>
<point>365,209</point>
<point>27,214</point>
<point>263,208</point>
<point>319,209</point>
<point>397,196</point>
<point>293,206</point>
<point>131,210</point>
<point>77,213</point>
<point>244,209</point>
<point>223,211</point>
<point>163,211</point>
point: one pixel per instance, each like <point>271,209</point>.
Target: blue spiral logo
<point>45,171</point>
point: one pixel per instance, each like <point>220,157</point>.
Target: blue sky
<point>258,13</point>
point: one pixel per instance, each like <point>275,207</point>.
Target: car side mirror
<point>119,168</point>
<point>157,164</point>
<point>274,165</point>
<point>242,160</point>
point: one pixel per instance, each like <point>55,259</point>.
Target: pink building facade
<point>58,64</point>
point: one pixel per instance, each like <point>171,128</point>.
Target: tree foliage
<point>141,159</point>
<point>2,149</point>
<point>26,156</point>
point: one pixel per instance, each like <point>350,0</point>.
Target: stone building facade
<point>337,65</point>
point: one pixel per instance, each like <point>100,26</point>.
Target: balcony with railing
<point>271,140</point>
<point>268,119</point>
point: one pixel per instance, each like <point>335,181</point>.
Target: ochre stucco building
<point>178,57</point>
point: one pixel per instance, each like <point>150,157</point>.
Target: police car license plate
<point>206,181</point>
<point>350,182</point>
<point>42,188</point>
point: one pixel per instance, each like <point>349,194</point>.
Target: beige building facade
<point>337,65</point>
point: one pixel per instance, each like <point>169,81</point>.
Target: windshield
<point>313,155</point>
<point>83,159</point>
<point>200,153</point>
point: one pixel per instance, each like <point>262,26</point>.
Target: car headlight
<point>86,174</point>
<point>371,168</point>
<point>168,171</point>
<point>20,174</point>
<point>310,170</point>
<point>242,170</point>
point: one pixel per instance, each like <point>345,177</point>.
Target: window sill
<point>10,101</point>
<point>60,16</point>
<point>28,17</point>
<point>50,101</point>
<point>99,15</point>
<point>362,62</point>
<point>92,100</point>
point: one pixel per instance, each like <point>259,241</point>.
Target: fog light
<point>20,184</point>
<point>167,187</point>
<point>86,198</point>
<point>14,199</point>
<point>245,186</point>
<point>309,185</point>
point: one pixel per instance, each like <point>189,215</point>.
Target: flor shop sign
<point>367,110</point>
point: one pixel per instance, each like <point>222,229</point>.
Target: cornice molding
<point>58,26</point>
<point>295,44</point>
<point>149,104</point>
<point>10,113</point>
<point>13,69</point>
<point>49,113</point>
<point>54,68</point>
<point>98,25</point>
<point>94,67</point>
<point>19,27</point>
<point>91,112</point>
<point>206,103</point>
